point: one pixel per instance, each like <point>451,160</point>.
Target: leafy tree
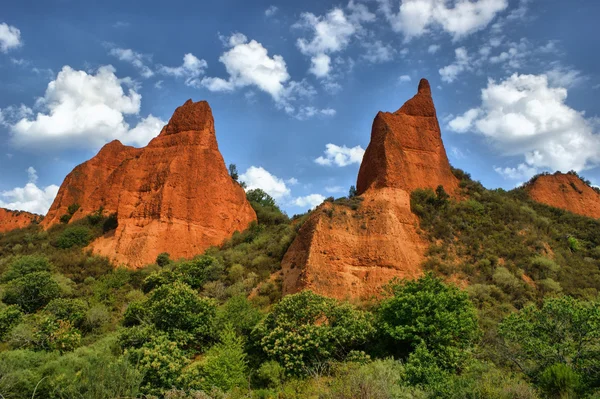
<point>53,334</point>
<point>32,291</point>
<point>198,271</point>
<point>178,307</point>
<point>71,310</point>
<point>239,313</point>
<point>233,172</point>
<point>429,313</point>
<point>9,317</point>
<point>352,193</point>
<point>25,264</point>
<point>564,331</point>
<point>74,236</point>
<point>163,259</point>
<point>260,197</point>
<point>306,329</point>
<point>224,365</point>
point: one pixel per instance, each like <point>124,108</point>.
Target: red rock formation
<point>349,252</point>
<point>406,149</point>
<point>565,191</point>
<point>175,195</point>
<point>11,220</point>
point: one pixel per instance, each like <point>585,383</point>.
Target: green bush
<point>163,259</point>
<point>560,381</point>
<point>71,310</point>
<point>10,316</point>
<point>430,313</point>
<point>306,330</point>
<point>32,291</point>
<point>21,265</point>
<point>72,236</point>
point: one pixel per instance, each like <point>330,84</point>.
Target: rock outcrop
<point>174,195</point>
<point>565,191</point>
<point>350,250</point>
<point>11,220</point>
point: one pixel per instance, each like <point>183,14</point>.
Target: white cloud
<point>341,156</point>
<point>249,64</point>
<point>30,198</point>
<point>450,72</point>
<point>311,201</point>
<point>332,32</point>
<point>320,65</point>
<point>457,153</point>
<point>82,110</point>
<point>459,18</point>
<point>434,48</point>
<point>10,37</point>
<point>292,181</point>
<point>564,76</point>
<point>377,52</point>
<point>272,10</point>
<point>258,177</point>
<point>308,112</point>
<point>521,172</point>
<point>135,59</point>
<point>404,79</point>
<point>191,70</point>
<point>525,115</point>
<point>32,174</point>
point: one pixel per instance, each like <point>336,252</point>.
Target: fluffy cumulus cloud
<point>332,33</point>
<point>248,64</point>
<point>341,156</point>
<point>272,10</point>
<point>10,37</point>
<point>527,116</point>
<point>257,177</point>
<point>81,110</point>
<point>378,52</point>
<point>30,198</point>
<point>450,72</point>
<point>309,201</point>
<point>191,70</point>
<point>136,59</point>
<point>459,18</point>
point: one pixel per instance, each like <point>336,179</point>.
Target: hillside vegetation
<point>508,308</point>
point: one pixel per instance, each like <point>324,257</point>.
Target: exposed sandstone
<point>174,195</point>
<point>350,253</point>
<point>565,191</point>
<point>11,220</point>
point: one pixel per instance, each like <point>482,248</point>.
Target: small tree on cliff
<point>352,192</point>
<point>233,172</point>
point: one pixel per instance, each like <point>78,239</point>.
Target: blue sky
<point>294,86</point>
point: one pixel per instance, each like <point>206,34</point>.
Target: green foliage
<point>66,218</point>
<point>239,313</point>
<point>79,236</point>
<point>111,223</point>
<point>560,381</point>
<point>9,317</point>
<point>233,172</point>
<point>21,265</point>
<point>224,366</point>
<point>352,192</point>
<point>163,259</point>
<point>305,330</point>
<point>562,331</point>
<point>73,208</point>
<point>66,309</point>
<point>260,197</point>
<point>178,307</point>
<point>430,314</point>
<point>32,291</point>
<point>53,334</point>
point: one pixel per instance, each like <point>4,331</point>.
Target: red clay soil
<point>566,191</point>
<point>12,220</point>
<point>345,253</point>
<point>174,195</point>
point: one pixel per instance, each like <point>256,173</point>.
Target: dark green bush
<point>32,291</point>
<point>72,236</point>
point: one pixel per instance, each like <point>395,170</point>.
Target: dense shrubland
<point>527,325</point>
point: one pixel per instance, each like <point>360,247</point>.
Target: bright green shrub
<point>10,316</point>
<point>71,310</point>
<point>32,291</point>
<point>25,264</point>
<point>72,236</point>
<point>430,313</point>
<point>306,329</point>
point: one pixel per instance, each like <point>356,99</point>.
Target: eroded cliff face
<point>406,149</point>
<point>174,195</point>
<point>11,220</point>
<point>566,191</point>
<point>351,252</point>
